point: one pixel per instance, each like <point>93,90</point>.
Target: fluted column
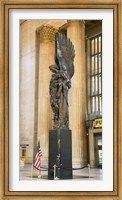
<point>77,94</point>
<point>46,58</point>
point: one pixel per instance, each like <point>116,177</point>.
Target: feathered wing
<point>64,54</point>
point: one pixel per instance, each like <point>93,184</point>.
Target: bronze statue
<point>60,82</point>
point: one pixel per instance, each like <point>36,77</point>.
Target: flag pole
<point>37,163</point>
<point>40,175</point>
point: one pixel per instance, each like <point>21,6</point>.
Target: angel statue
<point>60,82</point>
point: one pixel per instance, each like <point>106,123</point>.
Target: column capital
<point>47,32</point>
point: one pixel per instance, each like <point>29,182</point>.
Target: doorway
<point>98,149</point>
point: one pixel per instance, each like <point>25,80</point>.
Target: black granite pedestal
<point>60,153</point>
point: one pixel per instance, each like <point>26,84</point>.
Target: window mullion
<point>98,75</point>
<point>90,76</point>
<point>94,79</point>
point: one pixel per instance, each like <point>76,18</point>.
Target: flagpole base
<point>39,176</point>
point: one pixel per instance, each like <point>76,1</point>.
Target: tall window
<point>95,75</point>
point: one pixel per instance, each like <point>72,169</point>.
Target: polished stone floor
<point>28,172</point>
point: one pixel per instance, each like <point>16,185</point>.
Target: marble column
<point>77,94</point>
<point>46,58</point>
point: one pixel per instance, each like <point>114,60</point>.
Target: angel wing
<point>64,53</point>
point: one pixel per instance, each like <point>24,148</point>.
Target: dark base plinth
<point>60,142</point>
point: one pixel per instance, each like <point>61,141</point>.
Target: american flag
<point>37,163</point>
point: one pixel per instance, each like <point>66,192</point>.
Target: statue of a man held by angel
<point>60,82</point>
